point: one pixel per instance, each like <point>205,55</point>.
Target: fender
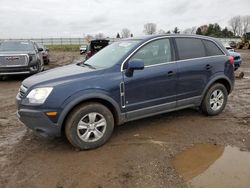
<point>216,77</point>
<point>84,95</point>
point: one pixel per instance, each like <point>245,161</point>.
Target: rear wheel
<point>89,126</point>
<point>239,46</point>
<point>215,100</point>
<point>247,46</point>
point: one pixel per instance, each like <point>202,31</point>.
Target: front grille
<point>14,60</point>
<point>22,91</point>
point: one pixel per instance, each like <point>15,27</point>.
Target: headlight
<point>39,95</point>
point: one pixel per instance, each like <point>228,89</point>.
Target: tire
<point>40,66</point>
<point>214,100</point>
<point>239,46</point>
<point>46,62</point>
<point>81,126</point>
<point>247,46</point>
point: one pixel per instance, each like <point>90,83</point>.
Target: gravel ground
<point>139,154</point>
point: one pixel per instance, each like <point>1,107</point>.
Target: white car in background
<point>83,49</point>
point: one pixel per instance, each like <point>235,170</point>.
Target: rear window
<point>212,48</point>
<point>189,48</point>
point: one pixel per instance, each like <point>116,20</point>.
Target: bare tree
<point>89,37</point>
<point>240,28</point>
<point>191,30</point>
<point>99,36</point>
<point>246,23</point>
<point>125,33</point>
<point>235,24</point>
<point>149,28</point>
<point>176,30</point>
<point>161,32</point>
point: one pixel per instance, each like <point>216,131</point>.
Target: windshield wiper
<point>82,64</point>
<point>88,65</point>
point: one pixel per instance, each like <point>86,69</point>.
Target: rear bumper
<point>237,62</point>
<point>39,123</point>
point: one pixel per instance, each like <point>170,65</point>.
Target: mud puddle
<point>207,165</point>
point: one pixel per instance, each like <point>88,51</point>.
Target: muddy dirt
<point>210,165</point>
<point>139,154</point>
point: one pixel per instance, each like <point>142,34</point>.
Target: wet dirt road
<point>142,153</point>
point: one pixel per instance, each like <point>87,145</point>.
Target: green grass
<point>64,47</point>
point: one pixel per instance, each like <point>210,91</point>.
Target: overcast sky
<point>74,18</point>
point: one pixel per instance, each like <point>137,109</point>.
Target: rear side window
<point>189,48</point>
<point>212,48</point>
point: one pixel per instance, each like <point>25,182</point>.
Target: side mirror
<point>135,64</point>
<point>47,49</point>
<point>40,49</point>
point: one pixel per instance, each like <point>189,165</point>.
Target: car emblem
<point>12,58</point>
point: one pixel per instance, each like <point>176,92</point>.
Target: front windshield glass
<point>111,54</point>
<point>16,46</point>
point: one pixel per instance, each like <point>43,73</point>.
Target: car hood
<point>59,75</point>
<point>234,54</point>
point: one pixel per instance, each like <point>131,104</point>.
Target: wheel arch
<point>98,98</point>
<point>222,80</point>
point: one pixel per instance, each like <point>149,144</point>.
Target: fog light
<point>51,113</point>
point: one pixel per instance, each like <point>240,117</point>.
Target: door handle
<point>208,67</point>
<point>170,73</point>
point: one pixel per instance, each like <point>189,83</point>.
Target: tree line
<point>237,26</point>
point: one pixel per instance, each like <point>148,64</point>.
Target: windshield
<point>40,46</point>
<point>16,46</point>
<point>111,54</point>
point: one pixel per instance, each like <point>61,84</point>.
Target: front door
<point>153,89</point>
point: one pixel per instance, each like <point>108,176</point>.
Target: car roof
<point>29,41</point>
<point>149,37</point>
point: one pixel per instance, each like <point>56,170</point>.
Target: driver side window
<point>155,52</point>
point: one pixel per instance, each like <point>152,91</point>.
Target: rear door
<point>197,62</point>
<point>153,89</point>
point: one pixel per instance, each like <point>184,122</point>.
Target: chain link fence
<point>82,41</point>
<point>57,41</point>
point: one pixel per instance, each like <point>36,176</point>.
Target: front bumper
<point>39,122</point>
<point>16,70</point>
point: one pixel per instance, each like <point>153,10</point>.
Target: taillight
<point>231,60</point>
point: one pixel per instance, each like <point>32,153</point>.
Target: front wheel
<point>215,100</point>
<point>247,45</point>
<point>89,126</point>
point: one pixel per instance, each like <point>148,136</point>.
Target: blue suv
<point>127,80</point>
